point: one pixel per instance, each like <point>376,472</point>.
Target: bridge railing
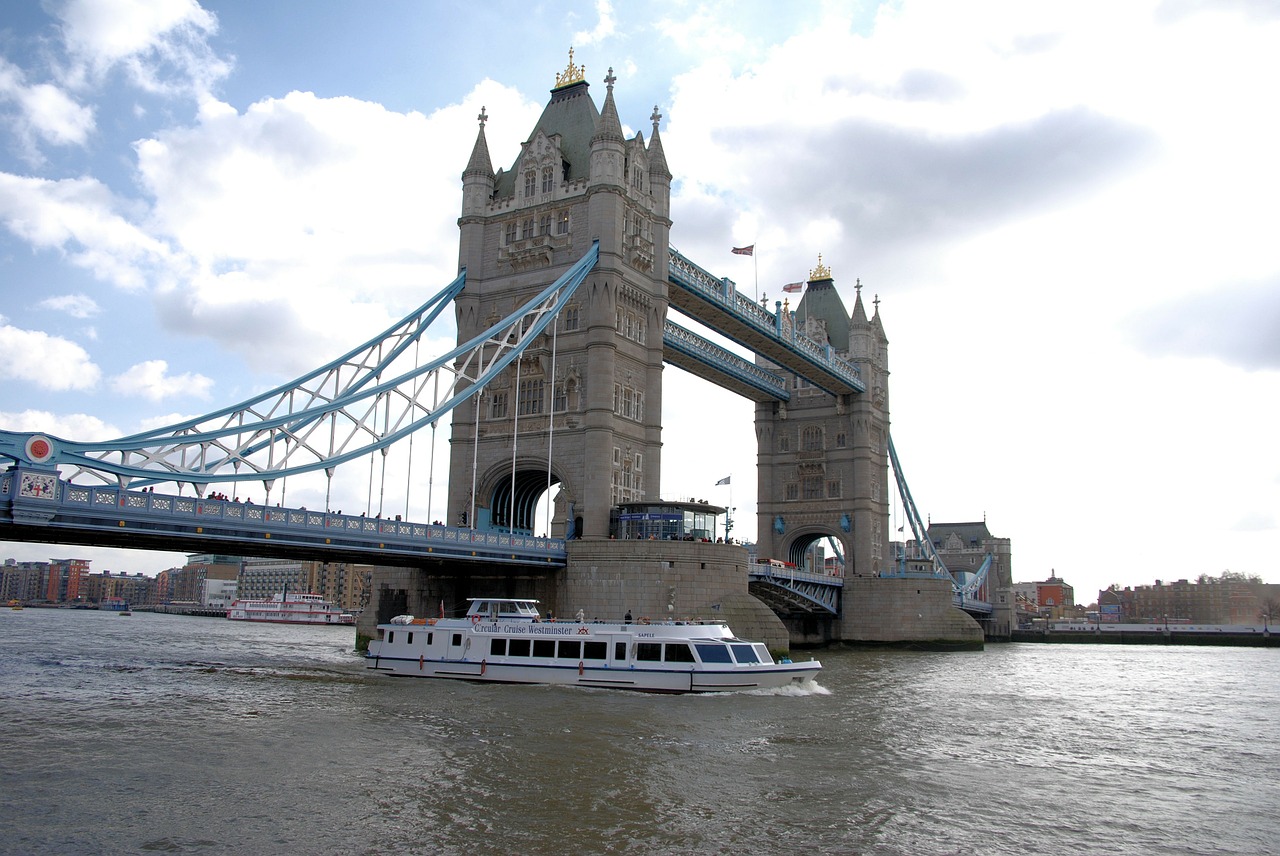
<point>82,501</point>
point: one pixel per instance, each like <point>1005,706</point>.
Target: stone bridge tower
<point>823,460</point>
<point>588,395</point>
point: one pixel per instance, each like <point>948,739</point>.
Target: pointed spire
<point>657,158</point>
<point>877,324</point>
<point>480,164</point>
<point>610,127</point>
<point>859,311</point>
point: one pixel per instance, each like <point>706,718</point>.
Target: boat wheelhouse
<point>504,640</point>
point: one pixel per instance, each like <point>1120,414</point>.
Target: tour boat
<point>288,608</point>
<point>504,640</point>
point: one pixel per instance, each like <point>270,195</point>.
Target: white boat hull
<point>666,658</point>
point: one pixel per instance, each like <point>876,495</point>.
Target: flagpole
<point>756,264</point>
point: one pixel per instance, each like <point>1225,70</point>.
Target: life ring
<point>483,664</point>
<point>579,668</point>
<point>475,619</point>
<point>583,631</point>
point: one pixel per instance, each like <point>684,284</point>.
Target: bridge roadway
<point>112,517</point>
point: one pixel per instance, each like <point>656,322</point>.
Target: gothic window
<point>875,439</point>
<point>530,400</point>
<point>526,228</point>
<point>562,225</point>
<point>841,440</point>
<point>629,326</point>
<point>571,318</point>
<point>628,402</point>
<point>813,486</point>
<point>812,439</point>
<point>793,491</point>
<point>530,183</point>
<point>784,441</point>
<point>639,460</point>
<point>498,405</point>
<point>547,179</point>
<point>559,399</point>
<point>833,489</point>
<point>544,225</point>
<point>511,232</point>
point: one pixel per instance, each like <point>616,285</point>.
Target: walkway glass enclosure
<point>668,521</point>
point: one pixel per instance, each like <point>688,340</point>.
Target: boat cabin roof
<point>505,607</point>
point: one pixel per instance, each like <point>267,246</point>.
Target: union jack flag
<point>745,251</point>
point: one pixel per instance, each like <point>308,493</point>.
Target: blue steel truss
<point>718,304</point>
<point>363,402</point>
<point>686,349</point>
<point>813,592</point>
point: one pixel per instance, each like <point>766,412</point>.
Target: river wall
<point>1258,639</point>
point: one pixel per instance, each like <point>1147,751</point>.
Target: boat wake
<point>810,688</point>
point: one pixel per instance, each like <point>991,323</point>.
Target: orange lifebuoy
<point>483,663</point>
<point>579,668</point>
<point>475,619</point>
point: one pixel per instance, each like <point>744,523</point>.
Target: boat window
<point>497,647</point>
<point>457,639</point>
<point>619,650</point>
<point>409,639</point>
<point>595,650</point>
<point>677,652</point>
<point>381,633</point>
<point>429,635</point>
<point>518,648</point>
<point>744,654</point>
<point>570,650</point>
<point>649,651</point>
<point>391,637</point>
<point>763,653</point>
<point>713,652</point>
<point>544,647</point>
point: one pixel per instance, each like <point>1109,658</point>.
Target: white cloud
<point>1256,521</point>
<point>83,219</point>
<point>74,426</point>
<point>44,112</point>
<point>313,222</point>
<point>152,381</point>
<point>49,362</point>
<point>75,305</point>
<point>603,29</point>
<point>162,44</point>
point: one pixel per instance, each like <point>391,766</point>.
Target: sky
<point>1067,212</point>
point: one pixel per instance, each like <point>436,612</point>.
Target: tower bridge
<point>561,306</point>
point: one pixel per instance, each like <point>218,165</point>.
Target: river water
<point>154,733</point>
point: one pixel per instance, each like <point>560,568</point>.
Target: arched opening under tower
<point>818,553</point>
<point>527,502</point>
